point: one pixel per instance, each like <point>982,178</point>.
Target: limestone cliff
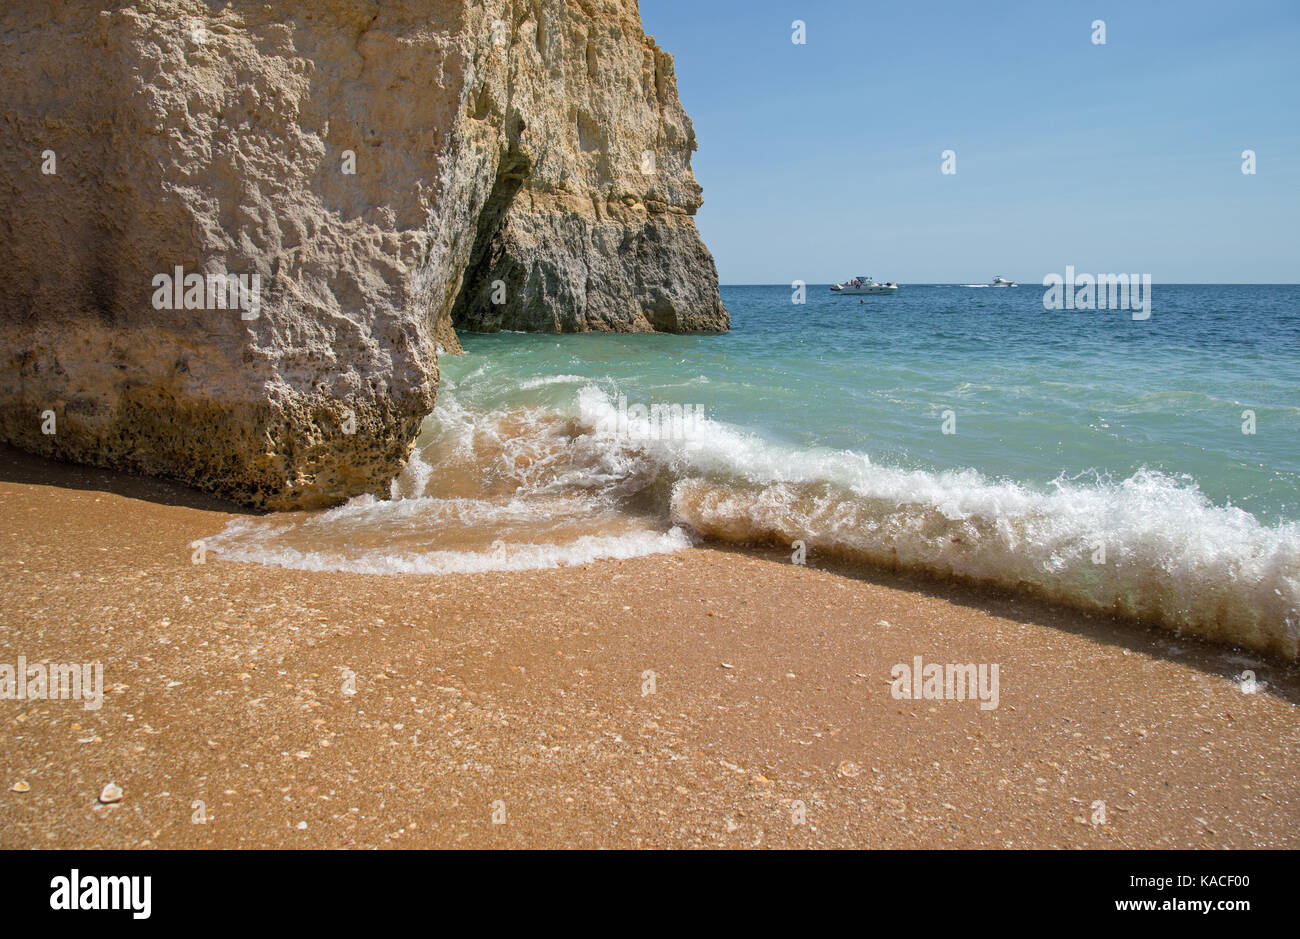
<point>369,172</point>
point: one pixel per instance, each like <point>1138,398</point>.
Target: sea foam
<point>513,487</point>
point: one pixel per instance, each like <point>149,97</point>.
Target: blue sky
<point>822,161</point>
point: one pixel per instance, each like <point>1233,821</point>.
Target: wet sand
<point>524,696</point>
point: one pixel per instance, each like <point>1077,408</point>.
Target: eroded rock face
<point>595,195</point>
<point>381,169</point>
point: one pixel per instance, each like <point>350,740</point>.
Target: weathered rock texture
<point>534,154</point>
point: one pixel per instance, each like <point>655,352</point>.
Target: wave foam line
<point>235,544</point>
<point>1171,557</point>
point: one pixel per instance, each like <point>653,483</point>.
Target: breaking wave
<point>516,486</point>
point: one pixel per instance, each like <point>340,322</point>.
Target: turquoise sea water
<point>1091,457</point>
<point>1035,393</point>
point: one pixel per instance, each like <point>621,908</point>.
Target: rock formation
<point>368,173</point>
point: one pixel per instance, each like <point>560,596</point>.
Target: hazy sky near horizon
<point>822,161</point>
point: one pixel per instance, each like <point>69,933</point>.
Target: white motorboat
<point>864,285</point>
<point>1001,282</point>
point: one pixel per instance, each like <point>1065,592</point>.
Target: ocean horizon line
<point>936,283</point>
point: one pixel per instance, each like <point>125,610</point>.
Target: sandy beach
<point>718,698</point>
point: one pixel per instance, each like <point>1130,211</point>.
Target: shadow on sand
<point>1227,662</point>
<point>17,466</point>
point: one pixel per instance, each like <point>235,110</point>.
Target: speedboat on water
<point>863,284</point>
<point>1001,282</point>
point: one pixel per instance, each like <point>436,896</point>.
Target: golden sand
<point>712,697</point>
